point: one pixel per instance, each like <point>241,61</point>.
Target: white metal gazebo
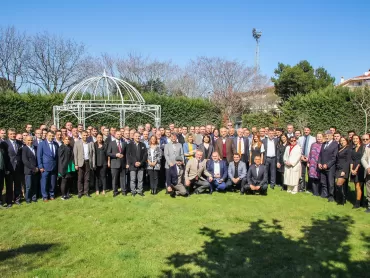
<point>105,95</point>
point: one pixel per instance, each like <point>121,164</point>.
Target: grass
<point>219,235</point>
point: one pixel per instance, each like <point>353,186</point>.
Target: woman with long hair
<point>101,164</point>
<point>356,168</point>
<point>280,166</point>
<point>256,149</point>
<point>292,161</point>
<point>342,170</point>
<point>66,167</point>
<point>154,163</point>
<point>189,147</point>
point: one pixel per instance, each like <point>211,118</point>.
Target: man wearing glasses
<point>366,140</point>
<point>365,161</point>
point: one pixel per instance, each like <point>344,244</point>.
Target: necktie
<point>15,146</point>
<point>240,146</point>
<point>119,146</point>
<point>51,148</point>
<point>305,145</point>
<point>196,178</point>
<point>327,145</point>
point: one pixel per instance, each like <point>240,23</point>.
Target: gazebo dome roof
<point>104,89</point>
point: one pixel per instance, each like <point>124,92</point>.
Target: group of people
<point>184,160</point>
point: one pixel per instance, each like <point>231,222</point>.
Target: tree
<point>361,98</point>
<point>55,64</point>
<point>6,85</point>
<point>301,78</point>
<point>13,56</point>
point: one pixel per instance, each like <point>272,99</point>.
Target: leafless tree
<point>132,67</point>
<point>55,63</point>
<point>13,56</point>
<point>361,99</point>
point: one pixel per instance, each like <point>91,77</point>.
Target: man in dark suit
<point>270,145</point>
<point>117,152</point>
<point>225,147</point>
<point>241,146</point>
<point>31,171</point>
<point>137,155</point>
<point>15,168</point>
<point>47,158</point>
<point>218,169</point>
<point>38,137</point>
<point>181,137</point>
<point>176,179</point>
<point>257,178</point>
<point>326,163</point>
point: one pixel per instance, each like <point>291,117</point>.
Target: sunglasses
<point>364,139</point>
<point>293,140</point>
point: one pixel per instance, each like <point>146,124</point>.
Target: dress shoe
<point>141,194</point>
<point>173,194</point>
<point>45,200</point>
<point>330,199</point>
<point>272,186</point>
<point>356,205</point>
<point>79,196</point>
<point>115,195</point>
<point>9,206</point>
<point>88,195</point>
<point>51,198</point>
<point>210,192</point>
<point>133,194</point>
<point>187,195</point>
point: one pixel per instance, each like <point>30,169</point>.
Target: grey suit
<point>242,175</point>
<point>171,151</point>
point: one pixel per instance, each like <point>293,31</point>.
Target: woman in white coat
<point>292,161</point>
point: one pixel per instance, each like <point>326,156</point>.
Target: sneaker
<point>64,198</point>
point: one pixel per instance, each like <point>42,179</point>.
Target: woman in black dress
<point>357,170</point>
<point>342,169</point>
<point>66,167</point>
<point>256,149</point>
<point>101,164</point>
<point>283,143</point>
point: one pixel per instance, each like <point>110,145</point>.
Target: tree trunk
<point>365,122</point>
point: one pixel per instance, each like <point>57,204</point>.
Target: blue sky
<point>328,33</point>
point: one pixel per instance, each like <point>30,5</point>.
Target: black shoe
<point>115,195</point>
<point>357,205</point>
<point>330,199</point>
<point>173,194</point>
<point>141,194</point>
<point>88,195</point>
<point>133,194</point>
<point>272,186</point>
<point>124,193</point>
<point>187,195</point>
<point>79,196</point>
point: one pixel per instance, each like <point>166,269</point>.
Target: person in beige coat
<point>196,173</point>
<point>292,157</point>
<point>84,155</point>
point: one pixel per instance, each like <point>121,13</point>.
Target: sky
<point>328,33</point>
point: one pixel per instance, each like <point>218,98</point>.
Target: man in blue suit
<point>218,169</point>
<point>47,158</point>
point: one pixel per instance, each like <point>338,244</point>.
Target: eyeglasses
<point>293,140</point>
<point>365,139</point>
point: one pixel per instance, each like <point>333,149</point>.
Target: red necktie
<point>119,146</point>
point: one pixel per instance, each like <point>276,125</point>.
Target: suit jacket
<point>260,179</point>
<point>181,138</point>
<point>230,148</point>
<point>78,152</point>
<point>65,155</point>
<point>365,160</point>
<point>14,157</point>
<point>265,145</point>
<point>192,170</point>
<point>137,153</point>
<point>329,154</point>
<point>163,141</point>
<point>173,175</point>
<point>242,170</point>
<point>198,139</point>
<point>210,150</point>
<point>35,142</point>
<point>45,158</point>
<point>112,150</point>
<point>246,147</point>
<point>29,160</point>
<point>170,153</point>
<point>223,169</point>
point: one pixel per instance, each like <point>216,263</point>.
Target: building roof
<point>365,76</point>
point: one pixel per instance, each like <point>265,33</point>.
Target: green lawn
<point>219,235</point>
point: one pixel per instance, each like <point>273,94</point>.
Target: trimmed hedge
<point>18,109</point>
<point>320,110</point>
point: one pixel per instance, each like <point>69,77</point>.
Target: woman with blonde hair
<point>189,147</point>
<point>256,148</point>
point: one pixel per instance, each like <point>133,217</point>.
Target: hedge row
<point>18,109</point>
<point>320,110</point>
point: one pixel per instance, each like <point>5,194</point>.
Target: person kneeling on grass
<point>257,178</point>
<point>175,179</point>
<point>237,173</point>
<point>196,174</point>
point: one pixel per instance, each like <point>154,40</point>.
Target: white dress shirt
<point>270,148</point>
<point>217,170</point>
<point>86,151</point>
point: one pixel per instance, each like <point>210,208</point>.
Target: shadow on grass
<point>263,250</point>
<point>25,249</point>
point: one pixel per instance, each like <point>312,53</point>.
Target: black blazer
<point>172,178</point>
<point>101,155</point>
<point>15,158</point>
<point>65,155</point>
<point>344,160</point>
<point>136,154</point>
<point>329,154</point>
<point>112,150</point>
<point>180,138</point>
<point>29,160</point>
<point>252,177</point>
